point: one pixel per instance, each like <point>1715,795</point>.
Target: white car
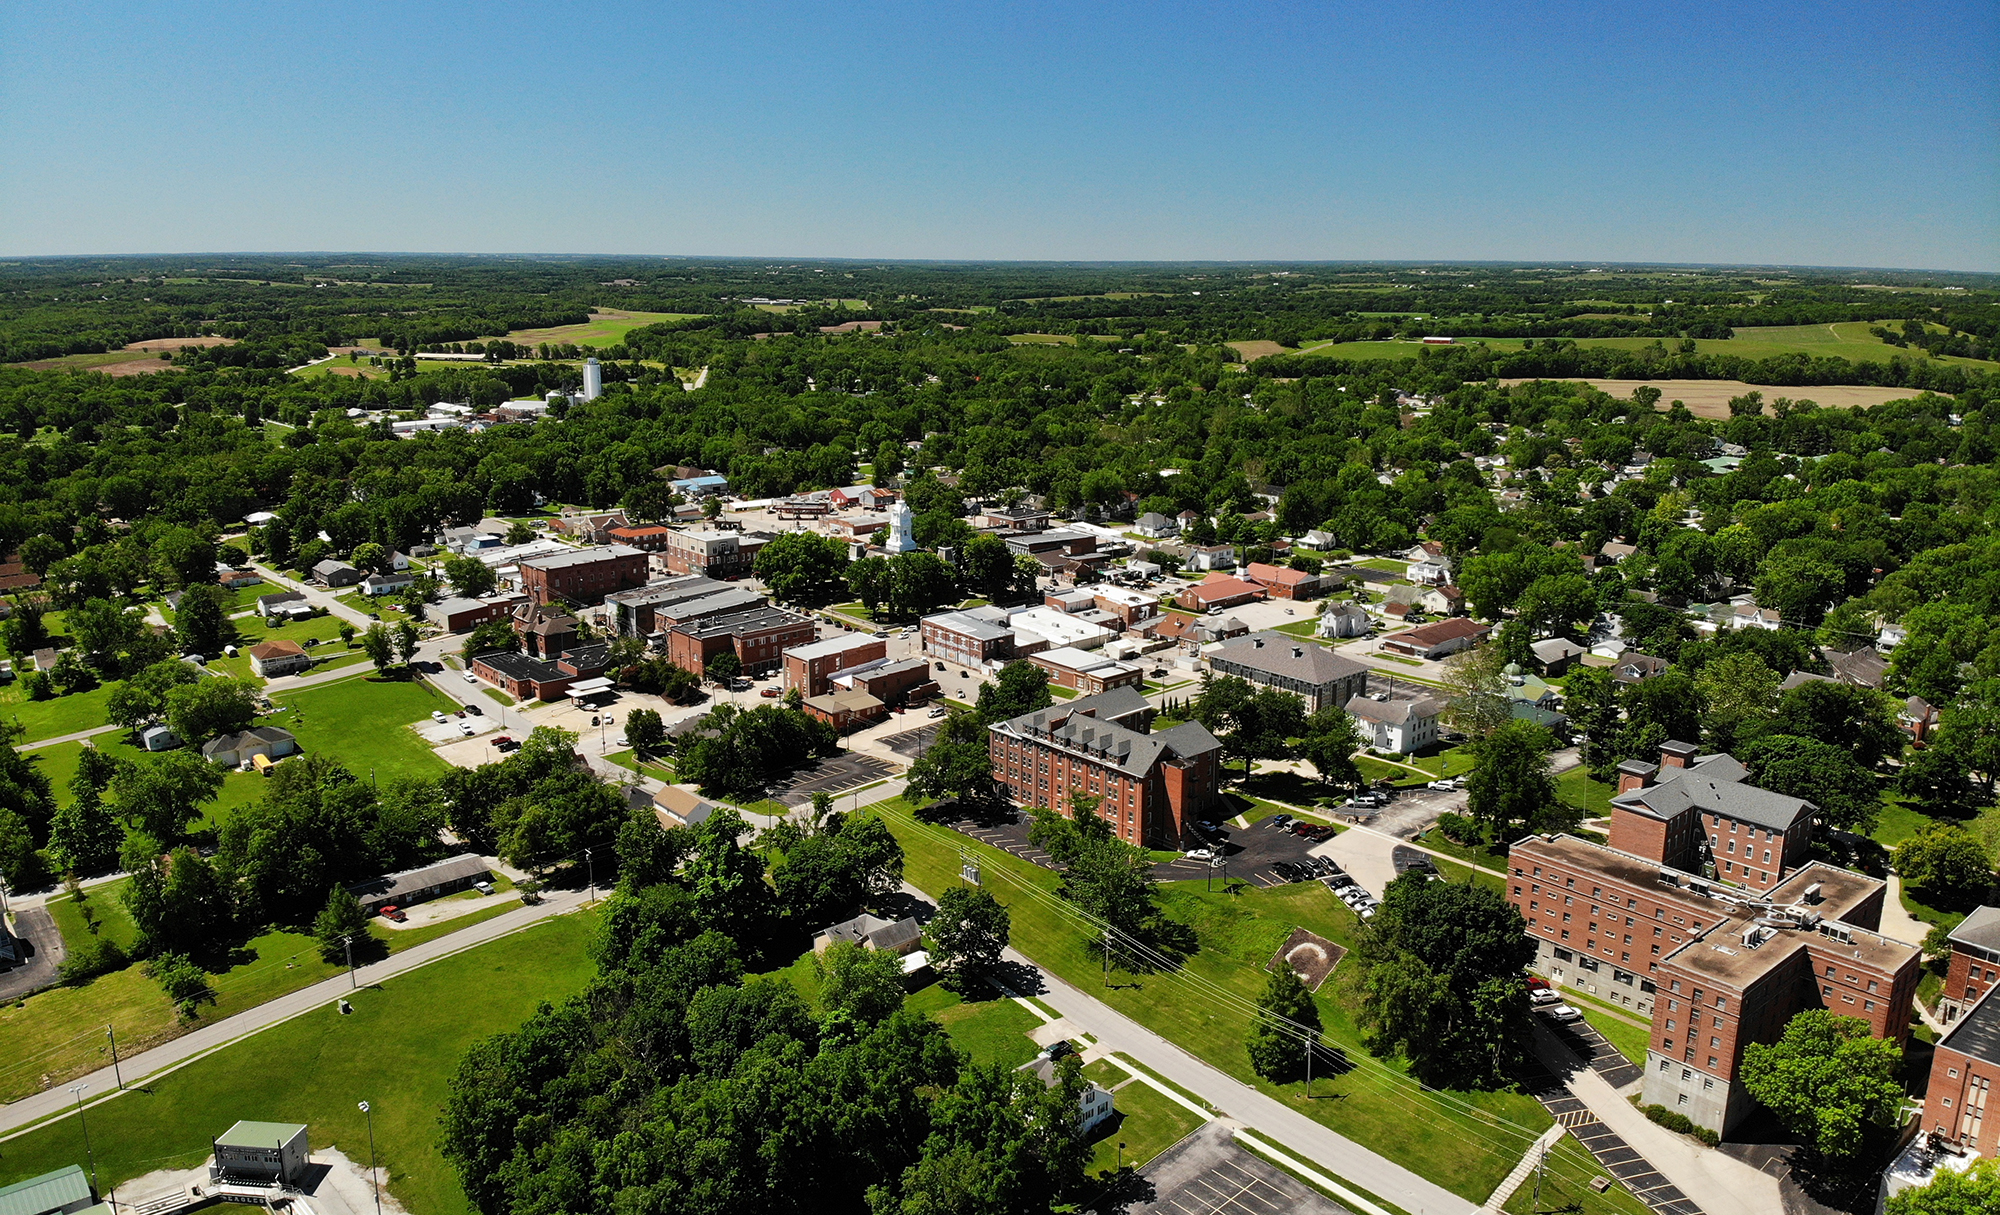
<point>1442,786</point>
<point>465,728</point>
<point>436,716</point>
<point>471,678</point>
<point>1543,995</point>
<point>1562,1012</point>
<point>1200,854</point>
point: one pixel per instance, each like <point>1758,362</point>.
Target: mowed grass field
<point>605,328</point>
<point>397,1051</point>
<point>364,722</point>
<point>1465,1141</point>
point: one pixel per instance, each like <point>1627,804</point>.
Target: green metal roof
<point>49,1192</point>
<point>257,1134</point>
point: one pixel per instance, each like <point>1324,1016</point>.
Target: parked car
<point>937,711</point>
<point>1279,820</point>
<point>1560,1012</point>
<point>393,913</point>
<point>471,678</point>
<point>1542,995</point>
<point>475,710</point>
<point>483,887</point>
<point>1199,854</point>
<point>467,728</point>
<point>1441,786</point>
<point>769,693</point>
<point>1058,1048</point>
<point>436,715</point>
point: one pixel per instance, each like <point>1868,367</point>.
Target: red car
<point>769,693</point>
<point>1537,982</point>
<point>394,913</point>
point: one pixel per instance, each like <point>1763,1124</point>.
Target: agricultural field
<point>606,327</point>
<point>1824,341</point>
<point>1710,398</point>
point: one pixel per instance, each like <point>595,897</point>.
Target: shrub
<point>1680,1122</point>
<point>91,958</point>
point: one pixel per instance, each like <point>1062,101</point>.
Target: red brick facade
<point>583,577</point>
<point>1962,1101</point>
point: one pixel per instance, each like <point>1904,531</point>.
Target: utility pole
<point>348,942</point>
<point>1541,1165</point>
<point>77,1091</point>
<point>590,868</point>
<point>115,1073</point>
<point>1309,1066</point>
<point>374,1178</point>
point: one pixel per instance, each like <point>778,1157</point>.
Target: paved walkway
<point>56,1101</point>
<point>1897,923</point>
<point>79,736</point>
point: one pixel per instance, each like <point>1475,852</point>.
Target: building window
<point>1708,1085</point>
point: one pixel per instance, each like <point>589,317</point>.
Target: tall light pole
<point>77,1091</point>
<point>590,868</point>
<point>348,942</point>
<point>374,1180</point>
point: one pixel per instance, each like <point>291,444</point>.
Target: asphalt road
<point>190,1046</point>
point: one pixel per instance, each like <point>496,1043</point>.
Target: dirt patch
<point>852,327</point>
<point>1252,351</point>
<point>108,366</point>
<point>1311,957</point>
<point>341,369</point>
<point>177,343</point>
<point>1710,398</point>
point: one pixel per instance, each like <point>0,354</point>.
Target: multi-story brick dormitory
<point>1715,966</point>
<point>1150,785</point>
<point>1974,967</point>
<point>1694,810</point>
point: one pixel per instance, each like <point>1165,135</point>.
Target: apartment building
<point>1150,786</point>
<point>1085,672</point>
<point>971,638</point>
<point>715,554</point>
<point>1959,1106</point>
<point>582,575</point>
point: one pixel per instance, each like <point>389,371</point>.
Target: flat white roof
<point>1061,628</point>
<point>588,687</point>
<point>832,645</point>
<point>1072,659</point>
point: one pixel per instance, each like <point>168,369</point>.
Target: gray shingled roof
<point>1291,657</point>
<point>1393,712</point>
<point>1978,1032</point>
<point>1981,929</point>
<point>1715,784</point>
<point>1127,750</point>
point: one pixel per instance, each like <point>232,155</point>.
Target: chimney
<point>1258,642</point>
<point>1677,754</point>
<point>1298,651</point>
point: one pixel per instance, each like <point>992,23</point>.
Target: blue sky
<point>1818,134</point>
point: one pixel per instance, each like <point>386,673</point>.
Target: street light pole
<point>590,868</point>
<point>348,942</point>
<point>374,1180</point>
<point>77,1091</point>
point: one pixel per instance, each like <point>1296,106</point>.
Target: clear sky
<point>1803,133</point>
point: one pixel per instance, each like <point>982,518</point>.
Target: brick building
<point>649,537</point>
<point>1974,968</point>
<point>1440,640</point>
<point>758,637</point>
<point>1086,672</point>
<point>811,668</point>
<point>1322,678</point>
<point>1150,785</point>
<point>463,615</point>
<point>584,575</point>
<point>651,610</point>
<point>1959,1106</point>
<point>1694,810</point>
<point>970,638</point>
<point>1281,582</point>
<point>1128,605</point>
<point>716,554</point>
<point>1219,590</point>
<point>1716,966</point>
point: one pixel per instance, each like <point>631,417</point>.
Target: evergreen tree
<point>1287,1027</point>
<point>341,920</point>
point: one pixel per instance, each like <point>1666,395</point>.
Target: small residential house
<point>872,932</point>
<point>231,580</point>
<point>678,807</point>
<point>1344,619</point>
<point>1156,526</point>
<point>1439,640</point>
<point>1615,552</point>
<point>241,749</point>
<point>1396,725</point>
<point>1917,717</point>
<point>281,656</point>
<point>1282,582</point>
<point>283,607</point>
<point>448,876</point>
<point>386,584</point>
<point>1095,1105</point>
<point>1634,667</point>
<point>335,573</point>
<point>1441,600</point>
<point>1211,557</point>
<point>1554,656</point>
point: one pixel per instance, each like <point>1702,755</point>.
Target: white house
<point>1397,727</point>
<point>1094,1106</point>
<point>1343,619</point>
<point>1212,557</point>
<point>235,750</point>
<point>1156,525</point>
<point>386,584</point>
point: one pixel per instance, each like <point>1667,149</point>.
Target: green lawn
<point>1576,787</point>
<point>107,904</point>
<point>991,1031</point>
<point>1630,1039</point>
<point>1492,856</point>
<point>57,716</point>
<point>1465,1141</point>
<point>364,722</point>
<point>1147,1123</point>
<point>397,1051</point>
<point>652,767</point>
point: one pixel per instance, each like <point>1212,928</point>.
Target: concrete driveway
<point>1367,856</point>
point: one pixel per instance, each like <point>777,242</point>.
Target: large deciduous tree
<point>1828,1081</point>
<point>802,567</point>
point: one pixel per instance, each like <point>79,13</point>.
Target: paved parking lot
<point>1251,852</point>
<point>1590,1046</point>
<point>1009,833</point>
<point>911,743</point>
<point>837,774</point>
<point>1207,1173</point>
<point>1617,1157</point>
